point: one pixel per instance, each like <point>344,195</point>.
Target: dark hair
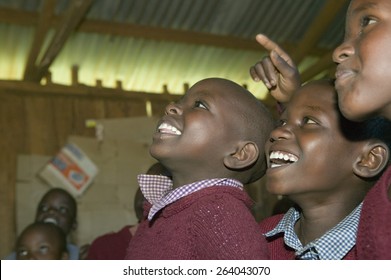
<point>374,128</point>
<point>52,228</point>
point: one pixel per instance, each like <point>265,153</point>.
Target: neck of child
<point>315,221</point>
<point>310,227</point>
<point>321,211</point>
<point>178,182</point>
<point>181,179</point>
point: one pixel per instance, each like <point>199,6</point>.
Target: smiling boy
<point>364,90</point>
<point>326,165</point>
<point>212,143</point>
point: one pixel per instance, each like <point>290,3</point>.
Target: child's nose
<point>280,133</point>
<point>342,52</point>
<point>173,108</point>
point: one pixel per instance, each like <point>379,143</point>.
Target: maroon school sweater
<point>110,246</point>
<point>374,229</point>
<point>212,223</point>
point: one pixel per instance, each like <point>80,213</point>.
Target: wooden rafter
<point>41,31</point>
<point>32,88</point>
<point>72,18</point>
<point>146,32</point>
<point>318,27</point>
<point>324,63</point>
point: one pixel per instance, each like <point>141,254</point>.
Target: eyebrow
<point>314,108</point>
<point>364,7</point>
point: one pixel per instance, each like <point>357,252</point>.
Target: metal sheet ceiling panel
<point>147,64</point>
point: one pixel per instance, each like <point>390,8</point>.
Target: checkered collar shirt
<point>158,190</point>
<point>333,245</point>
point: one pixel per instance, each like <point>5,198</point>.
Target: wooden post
<point>75,75</point>
<point>118,85</point>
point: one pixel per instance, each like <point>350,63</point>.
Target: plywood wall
<point>40,124</point>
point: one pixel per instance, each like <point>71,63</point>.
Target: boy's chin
<point>156,153</point>
<point>354,115</point>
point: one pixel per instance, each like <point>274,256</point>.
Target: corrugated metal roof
<point>146,64</point>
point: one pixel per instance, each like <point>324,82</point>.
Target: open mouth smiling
<point>281,158</point>
<point>50,220</point>
<point>166,128</point>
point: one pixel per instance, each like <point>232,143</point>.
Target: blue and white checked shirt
<point>157,189</point>
<point>333,245</point>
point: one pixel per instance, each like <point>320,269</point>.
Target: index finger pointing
<point>270,46</point>
<point>267,43</point>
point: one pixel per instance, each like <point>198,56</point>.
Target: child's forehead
<point>317,93</point>
<point>358,7</point>
<point>213,91</point>
<point>365,4</point>
<point>318,102</point>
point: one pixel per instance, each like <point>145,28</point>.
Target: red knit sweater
<point>110,246</point>
<point>374,229</point>
<point>277,248</point>
<point>212,223</point>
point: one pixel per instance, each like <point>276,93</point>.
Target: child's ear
<point>372,161</point>
<point>246,153</point>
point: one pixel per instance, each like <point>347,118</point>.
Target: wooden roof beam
<point>147,32</point>
<point>70,21</point>
<point>41,31</point>
<point>317,28</point>
<point>324,63</point>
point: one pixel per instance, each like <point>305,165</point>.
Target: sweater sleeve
<point>224,228</point>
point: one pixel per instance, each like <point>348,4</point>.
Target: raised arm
<point>276,70</point>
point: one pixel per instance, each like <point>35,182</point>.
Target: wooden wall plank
<point>39,125</point>
<point>125,108</point>
<point>11,141</point>
<point>85,109</point>
<point>64,119</point>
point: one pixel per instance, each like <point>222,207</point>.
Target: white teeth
<point>166,128</point>
<point>50,220</point>
<point>280,155</point>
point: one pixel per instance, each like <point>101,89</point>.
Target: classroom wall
<point>41,124</point>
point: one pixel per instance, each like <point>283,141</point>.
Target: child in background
<point>59,207</point>
<point>41,241</point>
<point>113,246</point>
<point>212,143</point>
<point>327,187</point>
<point>363,85</point>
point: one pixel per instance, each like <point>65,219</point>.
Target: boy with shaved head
<point>212,142</point>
